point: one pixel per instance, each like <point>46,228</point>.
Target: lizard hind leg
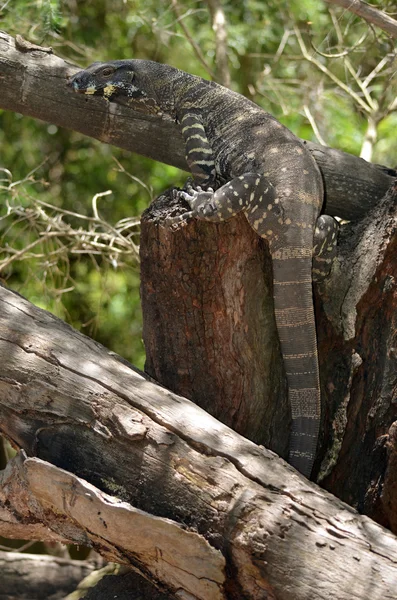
<point>324,247</point>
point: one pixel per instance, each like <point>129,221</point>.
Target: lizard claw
<point>175,223</point>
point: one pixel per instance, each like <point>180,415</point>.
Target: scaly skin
<point>258,166</point>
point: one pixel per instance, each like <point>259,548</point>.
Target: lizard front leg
<point>198,151</point>
<point>229,200</point>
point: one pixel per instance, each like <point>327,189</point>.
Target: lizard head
<point>122,81</point>
<point>110,79</point>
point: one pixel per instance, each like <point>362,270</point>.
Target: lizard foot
<point>200,201</point>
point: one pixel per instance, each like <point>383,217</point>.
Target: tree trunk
<point>200,510</point>
<point>209,328</point>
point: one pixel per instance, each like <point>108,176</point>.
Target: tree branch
<point>370,14</point>
<point>41,576</point>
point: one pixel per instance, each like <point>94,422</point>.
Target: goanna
<point>256,165</point>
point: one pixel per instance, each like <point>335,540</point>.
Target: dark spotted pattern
<point>257,166</point>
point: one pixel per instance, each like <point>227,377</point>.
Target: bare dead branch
<point>310,58</point>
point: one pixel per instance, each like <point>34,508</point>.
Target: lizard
<point>243,159</point>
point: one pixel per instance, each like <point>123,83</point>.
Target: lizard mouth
<point>79,89</point>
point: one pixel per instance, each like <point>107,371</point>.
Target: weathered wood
<point>34,83</point>
<point>185,480</point>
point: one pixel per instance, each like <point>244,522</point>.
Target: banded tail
<point>297,332</point>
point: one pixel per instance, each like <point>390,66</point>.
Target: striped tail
<point>296,327</point>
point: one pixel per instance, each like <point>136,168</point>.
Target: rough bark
<point>34,84</point>
<point>200,510</point>
<point>358,337</point>
<point>32,576</point>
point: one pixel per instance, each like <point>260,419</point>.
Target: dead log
<point>199,509</point>
<point>34,84</point>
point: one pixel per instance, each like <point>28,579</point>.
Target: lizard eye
<point>107,71</point>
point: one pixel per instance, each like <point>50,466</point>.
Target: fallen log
<point>199,509</point>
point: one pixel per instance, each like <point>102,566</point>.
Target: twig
<point>95,203</point>
<point>282,45</point>
<point>329,73</point>
<point>313,123</point>
<point>385,60</point>
<point>371,102</point>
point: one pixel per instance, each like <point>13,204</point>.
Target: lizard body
<point>256,165</point>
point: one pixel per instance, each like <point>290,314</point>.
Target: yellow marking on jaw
<point>109,89</point>
<point>90,90</point>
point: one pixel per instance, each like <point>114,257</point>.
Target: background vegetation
<point>322,71</point>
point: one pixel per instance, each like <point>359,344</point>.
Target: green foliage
<point>98,293</point>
